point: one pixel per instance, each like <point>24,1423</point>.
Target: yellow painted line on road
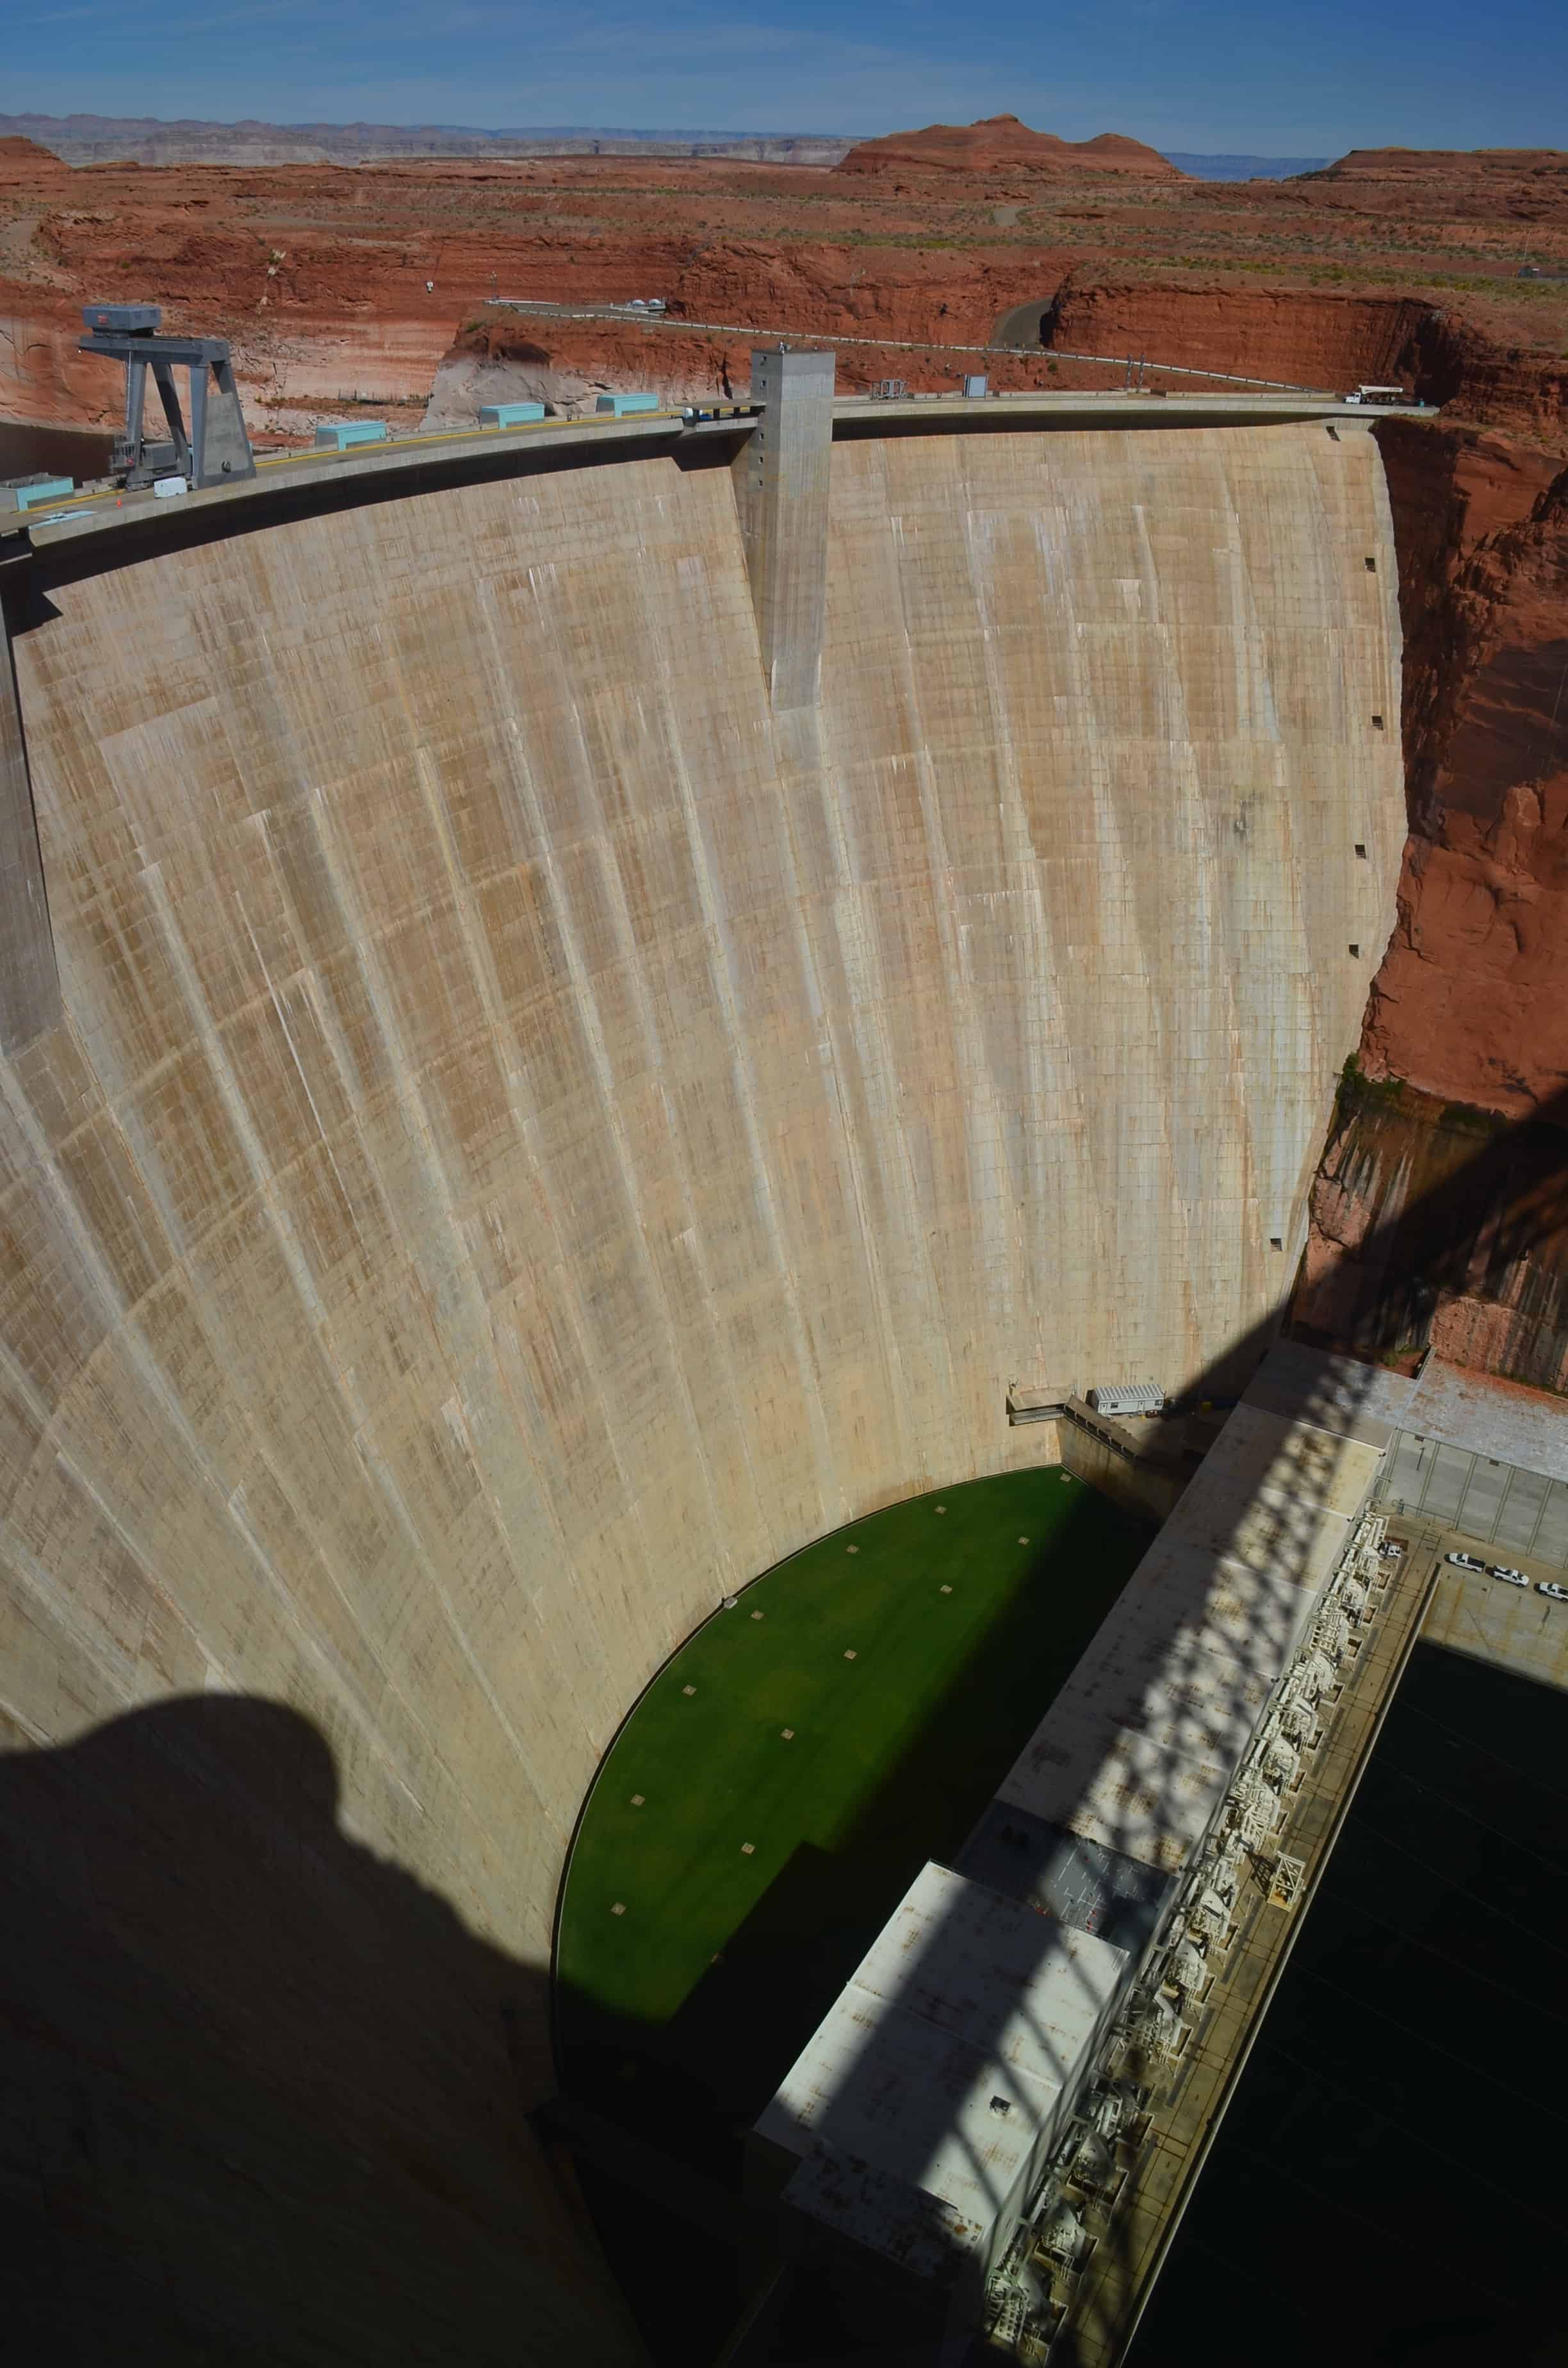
<point>352,451</point>
<point>459,435</point>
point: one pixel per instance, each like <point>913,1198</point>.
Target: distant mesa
<point>1001,142</point>
<point>80,140</point>
<point>1426,163</point>
<point>1496,184</point>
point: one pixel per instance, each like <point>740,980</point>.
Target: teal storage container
<point>339,433</point>
<point>29,497</point>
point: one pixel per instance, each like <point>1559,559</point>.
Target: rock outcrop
<point>1000,143</point>
<point>1439,1216</point>
<point>1305,337</point>
<point>504,359</point>
<point>1516,184</point>
<point>1453,361</point>
<point>1471,1000</point>
<point>24,164</point>
<point>1436,1226</point>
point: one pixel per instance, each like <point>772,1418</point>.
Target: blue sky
<point>1204,75</point>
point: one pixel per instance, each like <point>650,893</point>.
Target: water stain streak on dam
<point>534,1138</point>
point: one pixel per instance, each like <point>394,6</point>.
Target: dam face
<point>534,1137</point>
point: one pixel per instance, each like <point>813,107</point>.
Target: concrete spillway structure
<point>530,1141</point>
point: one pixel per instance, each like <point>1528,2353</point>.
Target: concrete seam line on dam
<point>532,1137</point>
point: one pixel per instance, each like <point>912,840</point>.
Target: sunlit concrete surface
<point>1502,1420</point>
<point>532,1138</point>
<point>1515,1627</point>
<point>1487,1458</point>
<point>974,2059</point>
<point>1363,1402</point>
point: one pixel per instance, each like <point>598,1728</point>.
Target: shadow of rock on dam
<point>531,1132</point>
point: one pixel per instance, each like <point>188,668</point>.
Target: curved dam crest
<point>533,1139</point>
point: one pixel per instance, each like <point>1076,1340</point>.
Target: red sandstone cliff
<point>339,285</point>
<point>1453,361</point>
<point>1302,338</point>
<point>1471,1000</point>
<point>1436,1226</point>
<point>1435,1220</point>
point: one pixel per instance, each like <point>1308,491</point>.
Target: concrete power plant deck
<point>532,1139</point>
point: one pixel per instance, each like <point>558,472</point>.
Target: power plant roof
<point>944,2060</point>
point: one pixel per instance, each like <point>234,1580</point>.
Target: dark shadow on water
<point>259,2101</point>
<point>1394,2146</point>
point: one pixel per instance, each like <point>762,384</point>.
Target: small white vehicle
<point>1392,1551</point>
<point>1466,1562</point>
<point>1550,1587</point>
<point>1505,1570</point>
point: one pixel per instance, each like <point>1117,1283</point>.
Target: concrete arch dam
<point>531,1137</point>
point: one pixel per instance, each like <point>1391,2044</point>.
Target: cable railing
<point>541,309</point>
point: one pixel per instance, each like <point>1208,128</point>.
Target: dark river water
<point>1391,2181</point>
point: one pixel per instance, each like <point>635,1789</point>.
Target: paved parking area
<point>1513,1627</point>
<point>1521,1509</point>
